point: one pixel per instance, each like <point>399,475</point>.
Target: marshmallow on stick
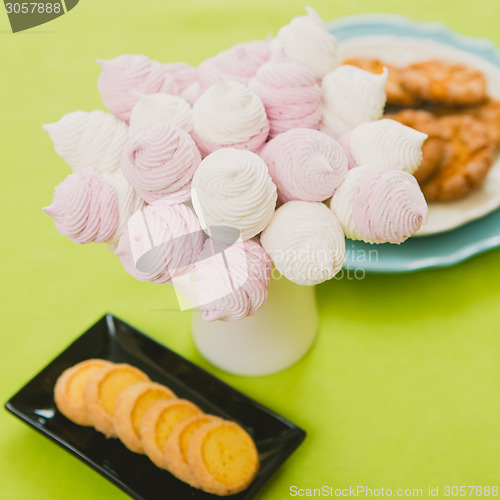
<point>89,141</point>
<point>379,205</point>
<point>305,164</point>
<point>351,96</point>
<point>159,161</point>
<point>161,241</point>
<point>386,144</point>
<point>305,242</point>
<point>233,188</point>
<point>85,208</point>
<point>161,108</point>
<point>307,40</point>
<point>92,207</point>
<point>229,115</point>
<point>122,80</point>
<point>238,64</point>
<point>239,280</point>
<point>290,93</point>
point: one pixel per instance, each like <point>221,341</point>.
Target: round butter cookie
<point>177,445</point>
<point>468,157</point>
<point>487,113</point>
<point>223,458</point>
<point>68,390</point>
<point>102,390</point>
<point>159,422</point>
<point>131,406</point>
<point>443,82</point>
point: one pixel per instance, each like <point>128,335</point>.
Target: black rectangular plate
<point>112,339</point>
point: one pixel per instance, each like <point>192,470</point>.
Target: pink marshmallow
<point>239,282</point>
<point>379,205</point>
<point>388,206</point>
<point>239,63</point>
<point>160,161</point>
<point>160,242</point>
<point>122,80</point>
<point>85,208</point>
<point>290,93</point>
<point>305,164</point>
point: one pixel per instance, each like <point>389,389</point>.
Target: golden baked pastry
<point>396,93</point>
<point>487,113</point>
<point>434,145</point>
<point>468,157</point>
<point>177,445</point>
<point>159,422</point>
<point>445,82</point>
<point>102,390</point>
<point>223,458</point>
<point>131,406</point>
<point>68,391</point>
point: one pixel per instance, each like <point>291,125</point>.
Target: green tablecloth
<point>401,389</point>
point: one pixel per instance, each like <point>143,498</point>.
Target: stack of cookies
<point>205,451</point>
<point>450,103</point>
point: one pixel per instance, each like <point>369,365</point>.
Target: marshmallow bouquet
<point>268,153</point>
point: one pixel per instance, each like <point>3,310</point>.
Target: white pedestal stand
<point>273,339</point>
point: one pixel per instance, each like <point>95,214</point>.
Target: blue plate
<point>441,250</point>
<point>438,250</point>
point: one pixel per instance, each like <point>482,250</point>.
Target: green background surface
<point>401,389</point>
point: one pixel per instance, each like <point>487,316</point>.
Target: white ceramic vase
<point>275,338</point>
